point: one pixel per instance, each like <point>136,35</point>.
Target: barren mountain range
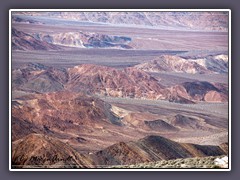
<point>23,41</point>
<point>88,124</point>
<point>59,111</point>
<point>99,89</point>
<point>186,20</point>
<point>41,151</point>
<point>167,63</point>
<point>152,148</point>
<point>37,41</point>
<point>88,40</point>
<point>50,152</point>
<point>107,81</point>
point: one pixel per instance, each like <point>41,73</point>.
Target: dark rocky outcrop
<point>152,148</point>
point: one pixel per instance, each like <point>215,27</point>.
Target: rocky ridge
<point>85,40</point>
<point>205,65</point>
<point>41,151</point>
<point>151,148</point>
<point>40,41</point>
<point>107,81</point>
<point>23,41</point>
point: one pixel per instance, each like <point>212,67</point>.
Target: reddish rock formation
<point>85,40</point>
<point>23,41</point>
<point>108,81</point>
<point>41,151</point>
<point>129,82</point>
<point>59,112</point>
<point>201,91</point>
<point>213,96</point>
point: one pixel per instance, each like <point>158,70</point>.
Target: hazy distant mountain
<point>23,20</point>
<point>56,41</point>
<point>210,21</point>
<point>84,40</point>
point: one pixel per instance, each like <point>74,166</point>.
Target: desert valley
<point>103,89</point>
